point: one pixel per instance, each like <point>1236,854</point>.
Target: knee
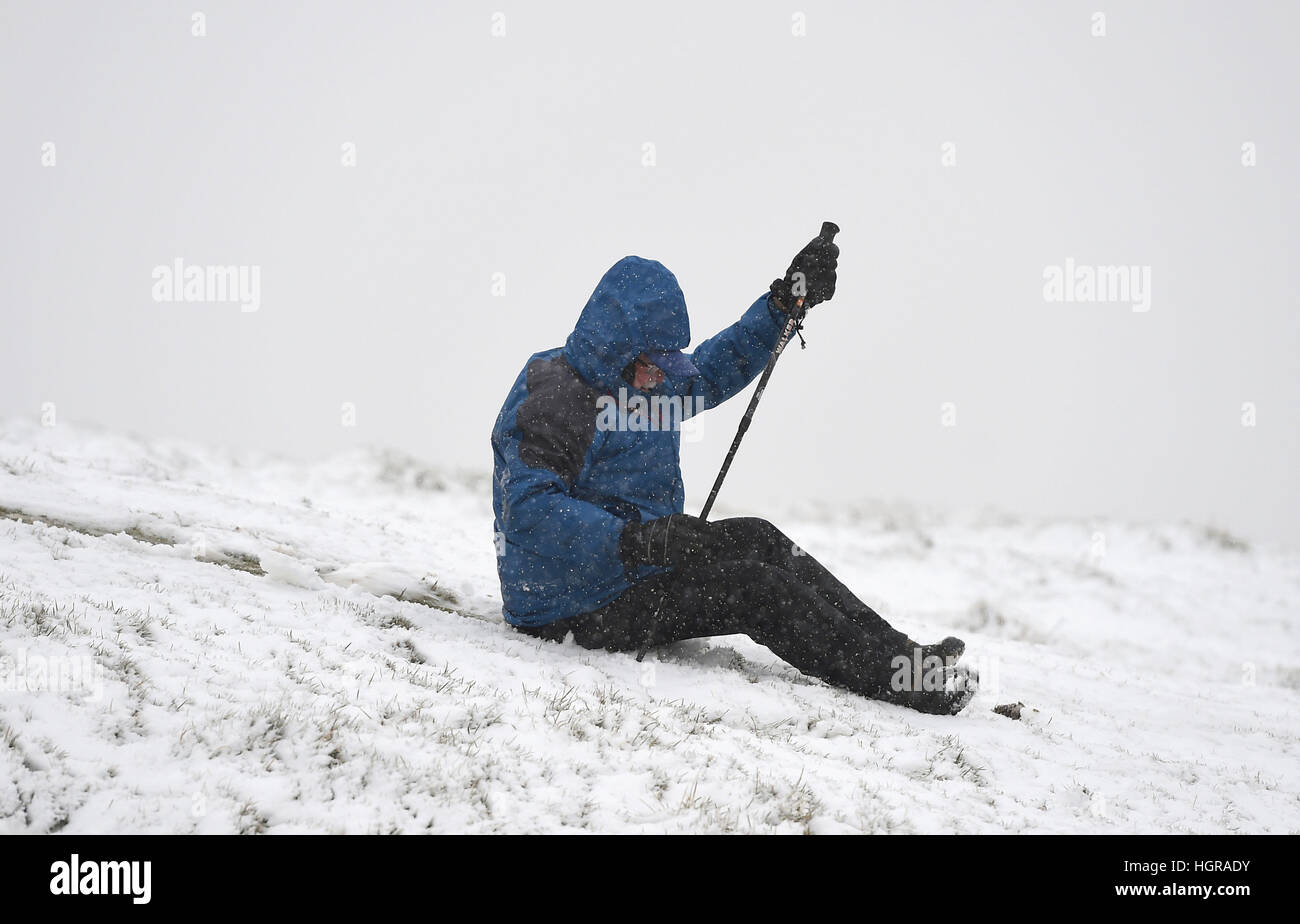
<point>754,537</point>
<point>753,529</point>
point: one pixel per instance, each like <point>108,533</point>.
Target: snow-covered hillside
<point>196,641</point>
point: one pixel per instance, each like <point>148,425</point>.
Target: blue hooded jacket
<point>567,478</point>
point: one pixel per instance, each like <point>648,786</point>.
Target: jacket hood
<point>637,306</point>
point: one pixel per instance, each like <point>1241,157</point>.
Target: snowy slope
<point>195,641</point>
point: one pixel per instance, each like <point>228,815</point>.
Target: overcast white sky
<point>522,154</point>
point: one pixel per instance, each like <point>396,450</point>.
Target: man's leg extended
<point>765,602</point>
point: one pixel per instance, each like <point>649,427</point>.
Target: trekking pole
<point>797,312</point>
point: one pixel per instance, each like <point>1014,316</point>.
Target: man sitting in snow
<point>591,537</point>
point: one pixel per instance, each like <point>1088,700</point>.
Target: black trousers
<point>764,586</point>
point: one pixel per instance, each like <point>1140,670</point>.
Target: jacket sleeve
<point>545,451</point>
<point>731,359</point>
<point>543,518</point>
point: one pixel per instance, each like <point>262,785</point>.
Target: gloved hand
<point>673,542</point>
<point>811,275</point>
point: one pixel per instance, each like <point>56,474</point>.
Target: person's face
<point>648,375</point>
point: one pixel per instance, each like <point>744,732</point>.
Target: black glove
<point>811,275</point>
<point>674,541</point>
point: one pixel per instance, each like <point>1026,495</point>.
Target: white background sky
<point>522,155</point>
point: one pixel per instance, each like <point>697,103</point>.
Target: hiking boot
<point>943,689</point>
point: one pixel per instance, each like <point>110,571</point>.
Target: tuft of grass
<point>406,649</point>
<point>251,820</point>
<point>1226,540</point>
